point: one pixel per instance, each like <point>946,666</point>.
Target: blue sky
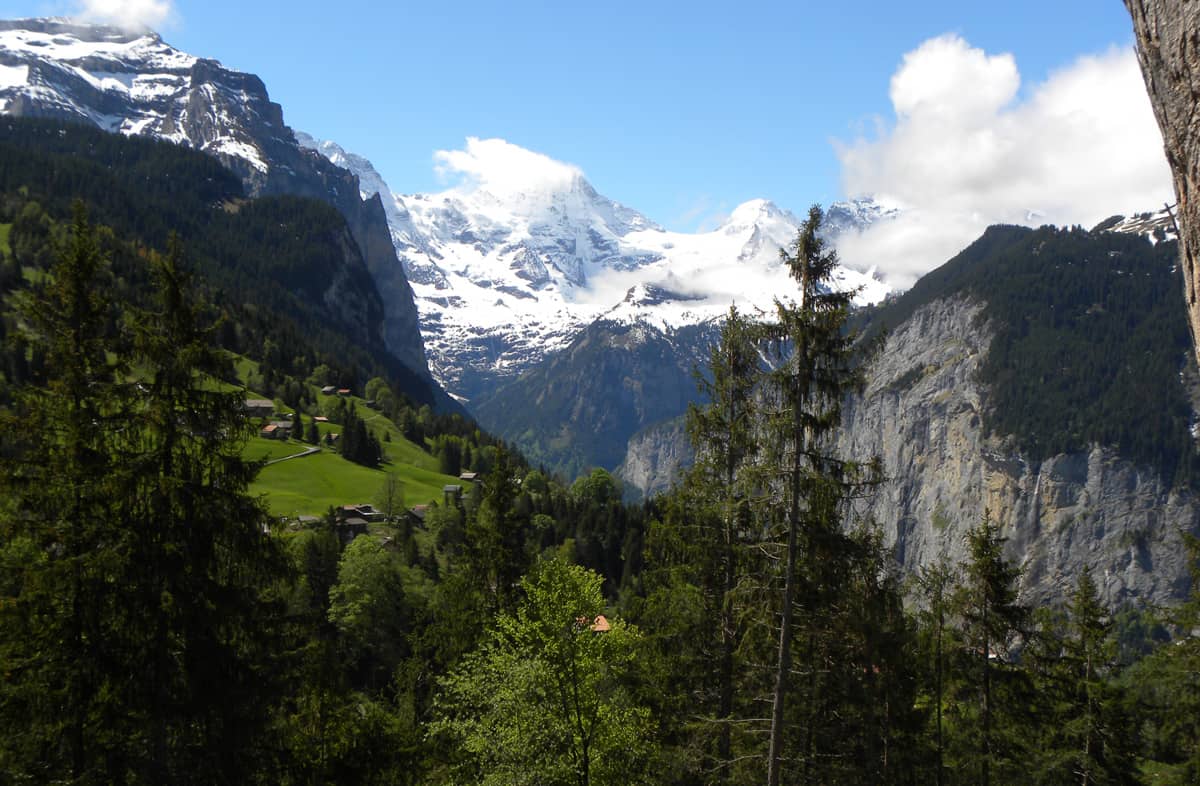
<point>680,110</point>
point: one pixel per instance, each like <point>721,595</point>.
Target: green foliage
<point>368,609</point>
<point>546,699</point>
<point>146,625</point>
<point>598,488</point>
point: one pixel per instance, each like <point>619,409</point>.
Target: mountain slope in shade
<point>578,409</point>
<point>133,83</point>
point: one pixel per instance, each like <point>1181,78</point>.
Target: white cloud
<point>964,152</point>
<point>128,14</point>
<point>503,169</point>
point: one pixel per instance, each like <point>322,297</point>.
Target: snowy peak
<point>515,217</point>
<point>63,39</point>
<point>134,83</point>
<point>855,215</point>
<point>756,212</point>
<point>501,179</point>
<point>521,253</point>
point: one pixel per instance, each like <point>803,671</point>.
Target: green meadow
<point>310,485</point>
<point>313,484</point>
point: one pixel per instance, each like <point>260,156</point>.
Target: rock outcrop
<point>1168,48</point>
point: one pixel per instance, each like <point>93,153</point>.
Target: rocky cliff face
<point>656,458</point>
<point>921,413</point>
<point>1168,48</point>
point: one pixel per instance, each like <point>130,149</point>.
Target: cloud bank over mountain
<point>968,148</point>
<point>503,169</point>
<point>129,14</point>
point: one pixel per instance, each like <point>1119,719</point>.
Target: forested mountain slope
<point>132,83</point>
<point>287,270</point>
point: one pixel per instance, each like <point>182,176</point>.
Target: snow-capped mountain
<point>855,215</point>
<point>135,83</point>
<point>510,265</point>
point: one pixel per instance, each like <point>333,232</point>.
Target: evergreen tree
<point>200,617</point>
<point>989,741</point>
<point>815,367</point>
<point>357,443</point>
<point>700,550</point>
<point>138,620</point>
<point>449,452</point>
<point>496,535</point>
<point>1166,687</point>
<point>937,585</point>
<point>61,543</point>
<point>1086,736</point>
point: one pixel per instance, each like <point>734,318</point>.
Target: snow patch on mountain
<point>1155,225</point>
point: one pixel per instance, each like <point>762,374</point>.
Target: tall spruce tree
<point>722,434</point>
<point>815,368</point>
<point>936,584</point>
<point>1086,737</point>
<point>197,611</point>
<point>989,739</point>
<point>61,543</point>
<point>699,557</point>
<point>496,531</point>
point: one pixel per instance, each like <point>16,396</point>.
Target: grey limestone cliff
<point>921,413</point>
<point>656,457</point>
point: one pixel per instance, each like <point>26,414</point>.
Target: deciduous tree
<point>546,698</point>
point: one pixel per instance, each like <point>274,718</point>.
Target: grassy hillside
<point>310,485</point>
<point>313,484</point>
